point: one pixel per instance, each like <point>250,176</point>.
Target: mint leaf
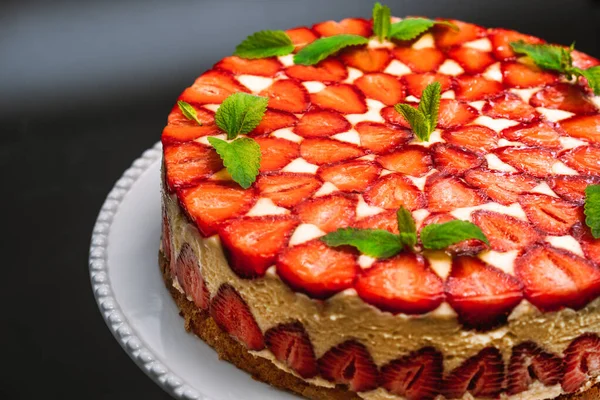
<point>592,209</point>
<point>265,44</point>
<point>372,242</point>
<point>241,158</point>
<point>430,104</point>
<point>593,77</point>
<point>410,28</point>
<point>240,113</point>
<point>407,227</point>
<point>440,236</point>
<point>188,111</point>
<point>416,119</point>
<point>381,21</point>
<point>322,48</point>
<point>545,56</point>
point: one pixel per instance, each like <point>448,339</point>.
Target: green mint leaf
<point>265,44</point>
<point>382,20</point>
<point>440,236</point>
<point>240,113</point>
<point>410,28</point>
<point>322,48</point>
<point>371,242</point>
<point>593,77</point>
<point>407,227</point>
<point>241,158</point>
<point>416,119</point>
<point>545,56</point>
<point>430,104</point>
<point>188,111</point>
<point>592,209</point>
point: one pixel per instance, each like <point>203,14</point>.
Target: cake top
<point>514,148</point>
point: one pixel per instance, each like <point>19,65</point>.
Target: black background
<point>85,87</point>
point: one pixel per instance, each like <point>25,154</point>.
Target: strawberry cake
<point>515,316</point>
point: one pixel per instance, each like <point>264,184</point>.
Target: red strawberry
<point>212,203</point>
<point>504,231</point>
<point>529,362</point>
<point>473,61</point>
<point>510,106</point>
<point>386,220</point>
<point>212,87</point>
<point>587,128</point>
<point>403,284</point>
<point>329,70</point>
<point>350,176</point>
<point>450,159</point>
<point>416,83</point>
<point>328,151</point>
<point>524,76</point>
<point>189,163</point>
<point>394,190</point>
<point>556,278</point>
<point>320,123</point>
<point>291,345</point>
<point>455,113</point>
<point>420,60</point>
<point>582,60</point>
<point>534,134</point>
<point>532,160</point>
<point>502,187</point>
<point>564,96</point>
<point>585,159</point>
<point>572,188</point>
<point>476,138</point>
<point>501,39</point>
<point>416,376</point>
<point>287,189</point>
<point>340,97</point>
<point>189,277</point>
<point>252,244</point>
<point>366,59</point>
<point>316,269</point>
<point>549,214</point>
<point>231,313</point>
<point>446,36</point>
<point>276,153</point>
<point>274,120</point>
<point>328,212</point>
<point>481,294</point>
<point>482,375</point>
<point>379,138</point>
<point>353,26</point>
<point>383,87</point>
<point>238,66</point>
<point>176,117</point>
<point>471,88</point>
<point>409,160</point>
<point>589,245</point>
<point>287,95</point>
<point>301,36</point>
<point>350,363</point>
<point>445,193</point>
<point>184,133</point>
<point>470,246</point>
<point>581,361</point>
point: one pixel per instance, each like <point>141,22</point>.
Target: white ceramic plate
<point>137,307</point>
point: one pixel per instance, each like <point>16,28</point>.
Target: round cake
<point>514,314</point>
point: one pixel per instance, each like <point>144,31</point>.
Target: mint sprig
<point>241,158</point>
<point>322,48</point>
<point>410,28</point>
<point>592,209</point>
<point>440,236</point>
<point>407,228</point>
<point>240,113</point>
<point>188,111</point>
<point>265,44</point>
<point>382,20</point>
<point>423,120</point>
<point>376,243</point>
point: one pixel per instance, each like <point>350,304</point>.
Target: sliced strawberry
<point>502,187</point>
<point>340,97</point>
<point>327,151</point>
<point>409,160</point>
<point>187,164</point>
<point>231,313</point>
<point>584,61</point>
<point>274,120</point>
<point>350,363</point>
<point>252,244</point>
<point>446,36</point>
<point>446,193</point>
<point>529,362</point>
<point>581,361</point>
<point>386,220</point>
<point>510,106</point>
<point>476,138</point>
<point>189,278</point>
<point>380,138</point>
<point>403,284</point>
<point>212,203</point>
<point>366,59</point>
<point>287,95</point>
<point>416,83</point>
<point>416,376</point>
<point>316,269</point>
<point>525,76</point>
<point>587,128</point>
<point>549,214</point>
<point>350,176</point>
<point>329,70</point>
<point>238,66</point>
<point>504,231</point>
<point>556,278</point>
<point>383,87</point>
<point>473,61</point>
<point>450,159</point>
<point>328,212</point>
<point>482,375</point>
<point>585,159</point>
<point>420,60</point>
<point>534,134</point>
<point>572,188</point>
<point>564,96</point>
<point>184,133</point>
<point>501,39</point>
<point>287,189</point>
<point>212,87</point>
<point>394,190</point>
<point>276,153</point>
<point>353,26</point>
<point>321,123</point>
<point>470,246</point>
<point>589,245</point>
<point>532,160</point>
<point>472,88</point>
<point>291,345</point>
<point>455,113</point>
<point>301,36</point>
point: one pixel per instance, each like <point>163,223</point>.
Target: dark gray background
<point>85,87</point>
